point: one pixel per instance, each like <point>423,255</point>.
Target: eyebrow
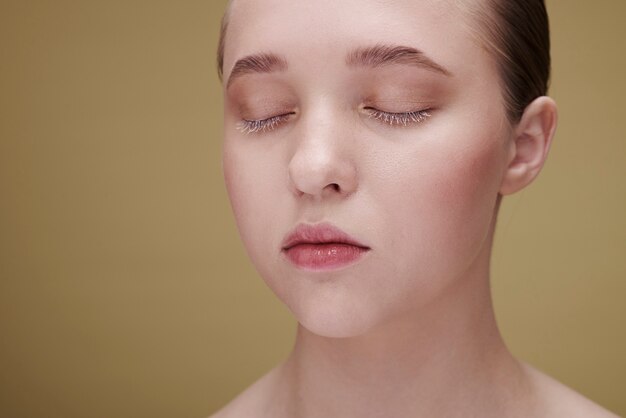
<point>381,55</point>
<point>257,63</point>
<point>372,56</point>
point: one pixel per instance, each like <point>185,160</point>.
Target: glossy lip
<point>322,247</point>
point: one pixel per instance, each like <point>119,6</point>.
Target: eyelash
<point>261,125</point>
<point>389,118</point>
<point>402,118</point>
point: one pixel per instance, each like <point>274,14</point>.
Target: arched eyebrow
<point>381,55</point>
<point>257,63</point>
<point>372,57</point>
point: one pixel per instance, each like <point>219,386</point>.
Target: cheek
<point>442,204</point>
<point>467,185</point>
<point>264,209</point>
<point>250,178</point>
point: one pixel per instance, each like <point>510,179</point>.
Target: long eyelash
<point>404,118</point>
<point>261,125</point>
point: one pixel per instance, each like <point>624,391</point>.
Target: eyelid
<point>399,118</point>
<point>248,126</point>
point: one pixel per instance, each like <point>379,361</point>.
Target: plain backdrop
<point>124,288</point>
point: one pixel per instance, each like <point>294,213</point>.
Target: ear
<point>529,145</point>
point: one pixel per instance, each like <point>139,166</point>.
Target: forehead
<point>318,33</point>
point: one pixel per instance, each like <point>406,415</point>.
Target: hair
<point>222,41</point>
<point>515,32</point>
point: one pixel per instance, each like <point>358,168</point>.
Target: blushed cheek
<point>253,186</point>
<point>241,193</point>
<point>467,195</point>
<point>473,175</point>
<point>233,185</point>
<point>447,207</point>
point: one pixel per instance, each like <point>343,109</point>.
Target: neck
<point>418,367</point>
<point>447,359</point>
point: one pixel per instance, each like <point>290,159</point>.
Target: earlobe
<point>530,144</point>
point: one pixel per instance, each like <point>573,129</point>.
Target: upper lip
<point>322,233</point>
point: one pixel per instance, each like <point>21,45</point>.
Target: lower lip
<point>324,256</point>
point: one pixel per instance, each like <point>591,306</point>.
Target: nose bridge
<point>322,162</point>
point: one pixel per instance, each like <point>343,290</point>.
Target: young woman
<point>367,147</point>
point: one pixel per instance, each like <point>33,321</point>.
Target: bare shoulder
<point>253,401</point>
<point>553,400</point>
<point>557,400</point>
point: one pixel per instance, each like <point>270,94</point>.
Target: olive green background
<point>124,289</point>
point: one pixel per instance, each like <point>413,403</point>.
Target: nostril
<point>335,186</point>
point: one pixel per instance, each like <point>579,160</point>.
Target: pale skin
<point>408,331</point>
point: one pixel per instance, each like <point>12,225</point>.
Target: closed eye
<point>262,125</point>
<point>249,126</point>
<point>401,118</point>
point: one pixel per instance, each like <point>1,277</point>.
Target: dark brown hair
<point>222,42</point>
<point>516,32</point>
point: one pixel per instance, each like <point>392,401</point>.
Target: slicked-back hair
<point>515,32</point>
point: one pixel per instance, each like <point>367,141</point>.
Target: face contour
<point>406,155</point>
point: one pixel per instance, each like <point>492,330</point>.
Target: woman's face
<point>418,188</point>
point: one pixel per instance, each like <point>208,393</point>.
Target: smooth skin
<point>408,331</point>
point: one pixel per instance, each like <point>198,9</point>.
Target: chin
<point>334,328</point>
<point>334,318</point>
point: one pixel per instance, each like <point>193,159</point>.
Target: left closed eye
<point>401,118</point>
<point>262,125</point>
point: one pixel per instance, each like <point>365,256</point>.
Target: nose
<point>323,162</point>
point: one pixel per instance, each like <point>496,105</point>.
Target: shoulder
<point>253,401</point>
<point>556,400</point>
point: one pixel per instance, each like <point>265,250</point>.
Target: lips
<point>322,247</point>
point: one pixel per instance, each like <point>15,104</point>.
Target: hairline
<point>482,17</point>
